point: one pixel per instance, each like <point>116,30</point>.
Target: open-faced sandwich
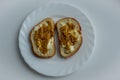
<point>69,35</point>
<point>42,38</point>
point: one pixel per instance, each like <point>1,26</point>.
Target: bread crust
<point>30,35</point>
<point>71,54</point>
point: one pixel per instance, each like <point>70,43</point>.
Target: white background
<point>104,64</point>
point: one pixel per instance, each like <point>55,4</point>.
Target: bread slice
<point>42,38</point>
<point>69,35</point>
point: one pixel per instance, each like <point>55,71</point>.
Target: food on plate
<point>69,35</point>
<point>42,38</point>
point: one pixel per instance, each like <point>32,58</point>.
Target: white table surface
<point>104,64</point>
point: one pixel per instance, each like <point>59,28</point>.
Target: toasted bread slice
<point>42,38</point>
<point>69,35</point>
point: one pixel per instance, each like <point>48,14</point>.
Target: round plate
<point>56,66</point>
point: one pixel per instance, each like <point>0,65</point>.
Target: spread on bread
<point>42,39</point>
<point>42,36</point>
<point>70,37</point>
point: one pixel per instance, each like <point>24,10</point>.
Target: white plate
<point>56,66</point>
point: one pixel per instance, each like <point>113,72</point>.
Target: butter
<point>71,48</point>
<point>46,24</point>
<point>63,46</point>
<point>50,43</point>
<point>40,25</point>
<point>36,28</point>
<point>70,21</point>
<point>63,23</point>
